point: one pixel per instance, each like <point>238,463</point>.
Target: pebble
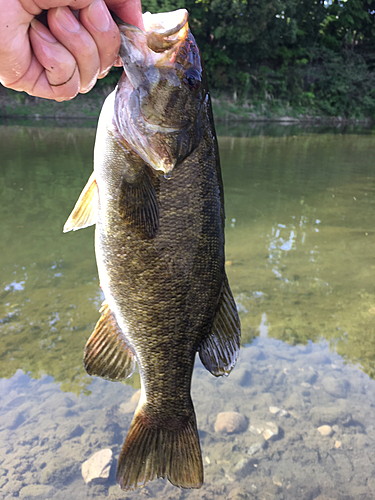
<point>230,422</point>
<point>269,430</point>
<point>243,467</point>
<point>278,411</point>
<point>136,397</point>
<point>128,407</point>
<point>274,409</point>
<point>338,444</point>
<point>325,430</point>
<point>97,468</point>
<point>257,446</point>
<point>242,377</point>
<point>330,415</point>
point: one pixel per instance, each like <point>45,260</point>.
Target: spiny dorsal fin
<point>159,448</point>
<point>107,354</point>
<point>220,349</point>
<point>139,206</point>
<point>85,210</point>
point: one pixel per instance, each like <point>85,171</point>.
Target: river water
<point>300,212</point>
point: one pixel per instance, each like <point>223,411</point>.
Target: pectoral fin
<point>139,206</point>
<point>107,354</point>
<point>85,210</point>
<point>219,351</point>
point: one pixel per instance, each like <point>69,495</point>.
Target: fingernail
<point>99,15</point>
<point>42,31</point>
<point>67,20</point>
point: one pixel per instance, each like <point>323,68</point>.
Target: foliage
<point>318,54</point>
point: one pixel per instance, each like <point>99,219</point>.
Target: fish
<point>156,198</point>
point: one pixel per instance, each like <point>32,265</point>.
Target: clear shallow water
<point>300,259</point>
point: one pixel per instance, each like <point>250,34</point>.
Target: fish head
<point>161,94</point>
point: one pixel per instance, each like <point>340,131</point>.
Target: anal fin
<point>107,354</point>
<point>85,210</point>
<point>220,349</point>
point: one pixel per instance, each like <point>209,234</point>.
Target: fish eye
<point>192,80</point>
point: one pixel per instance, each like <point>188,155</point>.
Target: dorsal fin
<point>220,349</point>
<point>107,353</point>
<point>85,210</point>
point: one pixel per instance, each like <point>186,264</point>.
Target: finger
<point>53,72</point>
<point>99,23</point>
<point>15,52</point>
<point>130,11</point>
<point>118,63</point>
<point>76,39</point>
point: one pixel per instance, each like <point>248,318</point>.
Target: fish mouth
<point>146,53</point>
<point>163,33</point>
<point>166,30</point>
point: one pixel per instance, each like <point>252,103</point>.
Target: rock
<point>258,445</point>
<point>241,376</point>
<point>136,396</point>
<point>255,353</point>
<point>97,468</point>
<point>230,422</point>
<point>70,431</point>
<point>278,411</point>
<point>59,472</point>
<point>128,407</point>
<point>16,420</point>
<point>330,415</point>
<point>318,358</point>
<point>243,467</point>
<point>338,388</point>
<point>271,432</point>
<point>325,430</point>
<point>338,444</point>
<point>238,494</point>
<point>274,410</point>
<point>36,491</point>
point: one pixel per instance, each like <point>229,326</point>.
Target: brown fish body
<point>159,245</point>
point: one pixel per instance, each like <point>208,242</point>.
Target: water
<point>300,258</point>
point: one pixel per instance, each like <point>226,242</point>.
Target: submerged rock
<point>338,388</point>
<point>230,422</point>
<point>269,430</point>
<point>97,468</point>
<point>325,430</point>
<point>36,491</point>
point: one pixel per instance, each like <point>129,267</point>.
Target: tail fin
<point>160,449</point>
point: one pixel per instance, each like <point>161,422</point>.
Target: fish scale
<point>156,197</point>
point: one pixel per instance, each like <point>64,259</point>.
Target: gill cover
<point>159,97</point>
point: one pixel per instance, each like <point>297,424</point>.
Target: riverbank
<point>87,107</point>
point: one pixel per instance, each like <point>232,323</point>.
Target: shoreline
<point>20,106</point>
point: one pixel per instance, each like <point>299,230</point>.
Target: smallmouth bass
<point>156,197</point>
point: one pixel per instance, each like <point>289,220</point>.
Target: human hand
<point>69,56</point>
